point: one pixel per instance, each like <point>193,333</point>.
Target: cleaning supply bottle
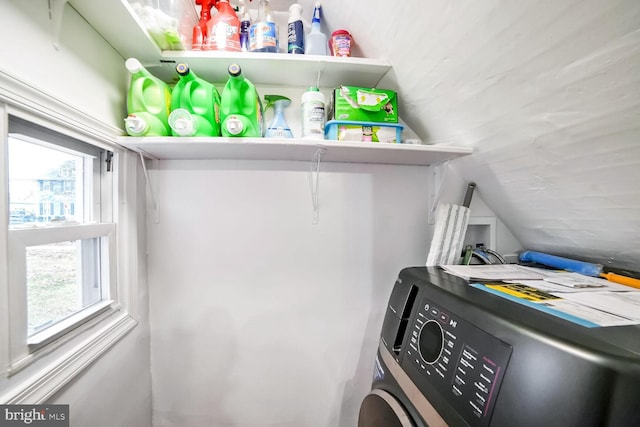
<point>224,29</point>
<point>245,23</point>
<point>200,30</point>
<point>263,35</point>
<point>316,40</point>
<point>240,107</point>
<point>313,115</point>
<point>195,105</point>
<point>278,127</point>
<point>295,30</point>
<point>148,102</point>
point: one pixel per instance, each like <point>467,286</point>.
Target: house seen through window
<point>54,183</point>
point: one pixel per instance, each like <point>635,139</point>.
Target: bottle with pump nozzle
<point>295,30</point>
<point>245,24</point>
<point>316,39</point>
<point>224,28</point>
<point>263,35</point>
<point>278,127</point>
<point>195,105</point>
<point>240,107</point>
<point>148,102</point>
<point>200,30</point>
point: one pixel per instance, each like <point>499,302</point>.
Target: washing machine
<point>454,355</point>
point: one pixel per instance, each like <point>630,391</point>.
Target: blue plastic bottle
<point>295,30</point>
<point>278,127</point>
<point>263,35</point>
<point>245,24</point>
<point>316,39</point>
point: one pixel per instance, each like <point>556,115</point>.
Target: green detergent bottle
<point>240,108</point>
<point>195,106</point>
<point>148,102</point>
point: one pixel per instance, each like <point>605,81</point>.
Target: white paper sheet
<point>596,316</point>
<point>492,272</point>
<point>625,304</point>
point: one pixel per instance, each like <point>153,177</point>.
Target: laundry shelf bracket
<point>438,174</point>
<point>152,194</point>
<point>314,183</point>
<point>56,12</point>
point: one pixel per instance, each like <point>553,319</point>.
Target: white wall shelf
<point>164,148</point>
<point>283,69</point>
<point>130,39</point>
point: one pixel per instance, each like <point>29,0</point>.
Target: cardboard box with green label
<point>354,103</point>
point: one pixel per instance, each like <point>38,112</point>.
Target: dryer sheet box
<point>340,130</point>
<point>359,104</point>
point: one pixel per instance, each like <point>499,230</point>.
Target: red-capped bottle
<point>224,29</point>
<point>201,30</point>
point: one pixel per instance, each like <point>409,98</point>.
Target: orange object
<point>623,280</point>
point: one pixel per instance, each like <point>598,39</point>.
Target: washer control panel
<point>464,363</point>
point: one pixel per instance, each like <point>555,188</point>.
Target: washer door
<point>381,409</point>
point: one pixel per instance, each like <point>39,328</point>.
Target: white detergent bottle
<point>313,114</point>
<point>316,42</point>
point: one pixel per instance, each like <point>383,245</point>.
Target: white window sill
<point>61,328</point>
<point>40,386</point>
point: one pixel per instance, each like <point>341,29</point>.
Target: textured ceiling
<point>546,92</point>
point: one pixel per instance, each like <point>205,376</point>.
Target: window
<point>70,199</point>
<point>61,234</point>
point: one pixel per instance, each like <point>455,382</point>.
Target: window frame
<point>19,240</point>
<point>35,376</point>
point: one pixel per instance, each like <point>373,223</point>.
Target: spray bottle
<point>295,30</point>
<point>195,106</point>
<point>240,106</point>
<point>148,102</point>
<point>278,127</point>
<point>263,35</point>
<point>224,29</point>
<point>200,30</point>
<point>316,40</point>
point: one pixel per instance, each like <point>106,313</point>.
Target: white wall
<point>87,74</point>
<point>259,316</point>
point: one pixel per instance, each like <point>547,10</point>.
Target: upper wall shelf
<point>164,148</point>
<point>130,39</point>
<point>282,69</point>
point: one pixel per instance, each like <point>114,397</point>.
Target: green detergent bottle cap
<point>234,70</point>
<point>182,69</point>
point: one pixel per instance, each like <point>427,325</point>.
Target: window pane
<point>62,279</point>
<point>45,184</point>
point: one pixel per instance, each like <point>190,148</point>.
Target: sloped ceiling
<point>546,92</point>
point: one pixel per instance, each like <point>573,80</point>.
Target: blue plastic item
<point>586,268</point>
<point>278,127</point>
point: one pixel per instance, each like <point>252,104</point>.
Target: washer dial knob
<point>430,341</point>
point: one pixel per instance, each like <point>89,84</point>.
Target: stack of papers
<point>589,301</point>
<point>493,272</point>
